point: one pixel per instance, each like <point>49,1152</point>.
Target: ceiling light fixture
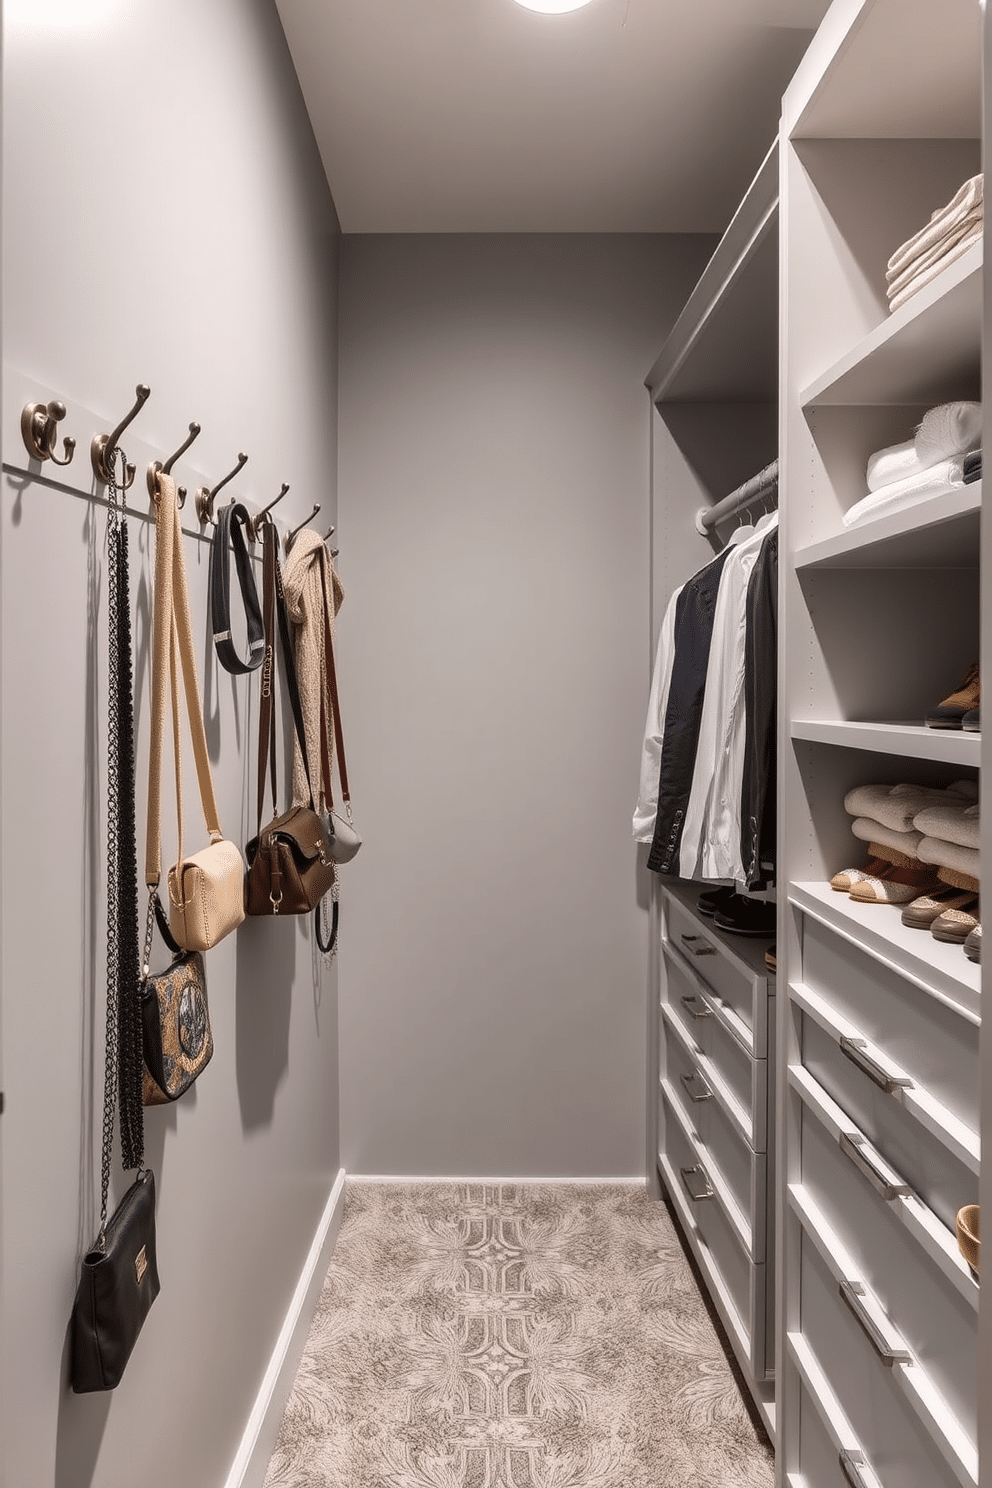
<point>553,7</point>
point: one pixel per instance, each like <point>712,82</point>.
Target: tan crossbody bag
<point>206,889</point>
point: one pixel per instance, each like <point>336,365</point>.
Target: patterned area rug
<point>513,1336</point>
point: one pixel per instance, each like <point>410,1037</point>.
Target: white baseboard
<point>613,1180</point>
<point>255,1451</point>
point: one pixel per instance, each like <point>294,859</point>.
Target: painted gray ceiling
<point>480,116</point>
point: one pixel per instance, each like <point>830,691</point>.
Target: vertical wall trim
<point>252,1459</point>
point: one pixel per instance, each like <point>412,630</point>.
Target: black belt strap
<point>232,521</point>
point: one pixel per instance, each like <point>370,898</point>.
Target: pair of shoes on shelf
<point>881,882</point>
<point>967,1223</point>
<point>770,959</point>
<point>737,913</point>
<point>961,710</point>
<point>973,944</point>
<point>921,913</point>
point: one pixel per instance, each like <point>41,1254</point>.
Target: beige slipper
<point>921,913</point>
<point>898,886</point>
<point>844,881</point>
<point>955,925</point>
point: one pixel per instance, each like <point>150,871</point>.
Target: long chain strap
<point>123,1057</point>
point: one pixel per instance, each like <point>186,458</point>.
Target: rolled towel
<point>967,199</point>
<point>950,855</point>
<point>896,806</point>
<point>960,824</point>
<point>946,476</point>
<point>948,430</point>
<point>971,225</point>
<point>906,843</point>
<point>924,277</point>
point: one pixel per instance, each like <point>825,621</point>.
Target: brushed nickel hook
<point>291,535</point>
<point>329,533</point>
<point>156,466</point>
<point>255,525</point>
<point>103,446</point>
<point>205,498</point>
<point>39,430</point>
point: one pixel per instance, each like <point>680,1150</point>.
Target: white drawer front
<point>721,1128</point>
<point>697,1198</point>
<point>935,1162</point>
<point>928,1040</point>
<point>721,1036</point>
<point>908,1429</point>
<point>937,1319</point>
<point>693,940</point>
<point>830,1455</point>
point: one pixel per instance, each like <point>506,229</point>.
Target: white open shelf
<point>942,970</point>
<point>920,352</point>
<point>909,741</point>
<point>939,532</point>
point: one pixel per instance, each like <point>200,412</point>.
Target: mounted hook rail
<point>40,428</point>
<point>205,498</point>
<point>103,447</point>
<point>156,466</point>
<point>292,534</point>
<point>255,525</point>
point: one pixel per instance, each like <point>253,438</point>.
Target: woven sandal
<point>955,925</point>
<point>921,913</point>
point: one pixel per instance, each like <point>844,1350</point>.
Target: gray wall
<point>165,220</point>
<point>494,503</point>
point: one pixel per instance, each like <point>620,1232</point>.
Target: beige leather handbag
<point>206,893</point>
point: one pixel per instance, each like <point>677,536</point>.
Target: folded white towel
<point>897,806</point>
<point>949,429</point>
<point>919,281</point>
<point>895,462</point>
<point>965,200</point>
<point>940,478</point>
<point>897,281</point>
<point>950,855</point>
<point>958,824</point>
<point>867,830</point>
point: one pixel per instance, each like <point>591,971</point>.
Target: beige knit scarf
<point>304,592</point>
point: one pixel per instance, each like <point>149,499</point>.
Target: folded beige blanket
<point>867,830</point>
<point>924,277</point>
<point>933,255</point>
<point>896,806</point>
<point>966,200</point>
<point>960,824</point>
<point>950,855</point>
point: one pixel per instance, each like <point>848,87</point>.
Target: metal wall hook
<point>329,533</point>
<point>205,498</point>
<point>255,525</point>
<point>103,446</point>
<point>39,430</point>
<point>292,534</point>
<point>166,469</point>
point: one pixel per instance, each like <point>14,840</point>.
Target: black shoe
<point>747,917</point>
<point>713,899</point>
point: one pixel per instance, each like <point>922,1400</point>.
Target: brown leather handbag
<point>290,867</point>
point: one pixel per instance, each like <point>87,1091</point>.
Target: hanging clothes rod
<point>758,488</point>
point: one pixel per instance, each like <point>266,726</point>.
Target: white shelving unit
<point>877,1078</point>
<point>714,391</point>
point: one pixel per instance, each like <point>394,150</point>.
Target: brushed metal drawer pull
<point>687,1173</point>
<point>687,1081</point>
<point>702,949</point>
<point>856,1469</point>
<point>855,1146</point>
<point>853,1294</point>
<point>855,1050</point>
<point>694,1007</point>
